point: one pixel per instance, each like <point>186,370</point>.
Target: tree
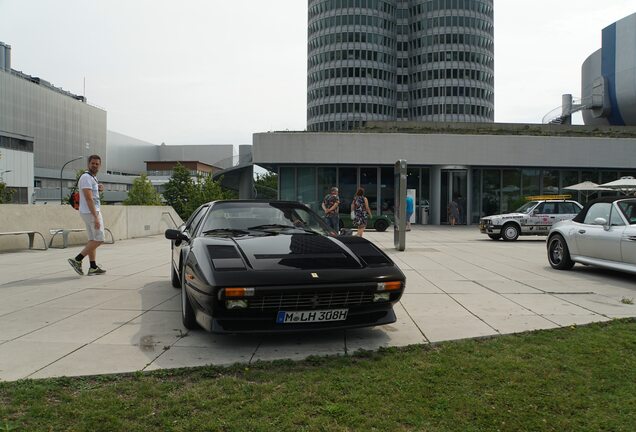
<point>178,190</point>
<point>266,185</point>
<point>205,190</point>
<point>142,192</point>
<point>6,194</point>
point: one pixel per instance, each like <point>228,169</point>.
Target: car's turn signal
<point>238,292</point>
<point>389,286</point>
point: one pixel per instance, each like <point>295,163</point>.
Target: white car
<point>533,218</point>
<point>603,234</point>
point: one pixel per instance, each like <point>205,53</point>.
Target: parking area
<point>460,284</point>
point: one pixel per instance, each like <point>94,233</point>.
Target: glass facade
<point>310,185</point>
<point>485,190</point>
<point>497,191</point>
<point>423,60</point>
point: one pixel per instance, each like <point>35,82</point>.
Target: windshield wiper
<point>226,231</point>
<point>282,227</point>
<point>269,226</point>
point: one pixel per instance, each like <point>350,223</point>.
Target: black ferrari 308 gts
<point>254,266</point>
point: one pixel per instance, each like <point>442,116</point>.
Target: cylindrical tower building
<point>428,60</point>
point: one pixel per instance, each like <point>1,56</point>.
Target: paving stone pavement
<point>460,284</point>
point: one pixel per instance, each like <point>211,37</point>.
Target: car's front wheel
<point>558,253</point>
<point>510,232</point>
<point>494,236</point>
<point>381,225</point>
<point>187,313</point>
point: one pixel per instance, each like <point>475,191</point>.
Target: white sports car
<point>603,234</point>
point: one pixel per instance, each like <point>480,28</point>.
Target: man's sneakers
<point>77,266</point>
<point>96,271</point>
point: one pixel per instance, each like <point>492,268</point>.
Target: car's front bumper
<point>485,228</point>
<point>262,311</point>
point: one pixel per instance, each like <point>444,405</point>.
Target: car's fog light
<point>381,297</point>
<point>235,304</point>
<point>389,286</point>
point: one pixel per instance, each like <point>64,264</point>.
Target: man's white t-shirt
<point>87,181</point>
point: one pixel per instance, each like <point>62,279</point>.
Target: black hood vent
<point>225,258</point>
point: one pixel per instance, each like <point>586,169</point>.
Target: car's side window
<point>568,208</point>
<point>598,210</point>
<point>629,210</point>
<point>615,218</point>
<point>549,208</point>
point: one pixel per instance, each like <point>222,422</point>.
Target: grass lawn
<point>571,379</point>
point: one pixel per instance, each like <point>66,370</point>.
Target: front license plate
<point>296,317</point>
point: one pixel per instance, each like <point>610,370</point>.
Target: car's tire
<point>187,313</point>
<point>510,232</point>
<point>340,224</point>
<point>559,253</point>
<point>381,225</point>
<point>176,282</point>
<point>494,236</point>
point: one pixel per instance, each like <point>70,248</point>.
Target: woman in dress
<point>453,212</point>
<point>360,211</point>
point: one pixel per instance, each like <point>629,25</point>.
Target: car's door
<point>628,244</point>
<point>628,240</point>
<point>544,216</point>
<point>567,211</point>
<point>600,241</point>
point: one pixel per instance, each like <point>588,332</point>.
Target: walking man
<point>330,206</point>
<point>90,212</point>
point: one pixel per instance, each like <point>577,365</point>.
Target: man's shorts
<point>89,221</point>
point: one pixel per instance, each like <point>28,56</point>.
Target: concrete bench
<point>66,231</point>
<point>31,235</point>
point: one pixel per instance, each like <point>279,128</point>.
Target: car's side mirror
<point>176,235</point>
<point>535,211</point>
<point>600,221</point>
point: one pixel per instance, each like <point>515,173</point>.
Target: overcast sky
<point>214,72</point>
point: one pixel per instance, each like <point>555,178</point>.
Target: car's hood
<point>507,216</point>
<point>296,251</point>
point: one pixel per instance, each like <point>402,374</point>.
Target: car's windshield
<point>263,217</point>
<point>628,207</point>
<point>527,207</point>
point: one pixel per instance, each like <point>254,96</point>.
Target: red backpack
<point>74,198</point>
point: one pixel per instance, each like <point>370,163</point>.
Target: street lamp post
<point>61,178</point>
<point>2,175</point>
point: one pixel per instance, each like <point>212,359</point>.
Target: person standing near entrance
<point>91,214</point>
<point>330,205</point>
<point>453,212</point>
<point>361,211</point>
<point>410,207</point>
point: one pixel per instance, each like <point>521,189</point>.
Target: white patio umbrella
<point>587,188</point>
<point>625,185</point>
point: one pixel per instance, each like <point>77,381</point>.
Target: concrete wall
<point>125,222</point>
<point>271,149</point>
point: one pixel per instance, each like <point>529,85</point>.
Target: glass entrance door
<point>454,187</point>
